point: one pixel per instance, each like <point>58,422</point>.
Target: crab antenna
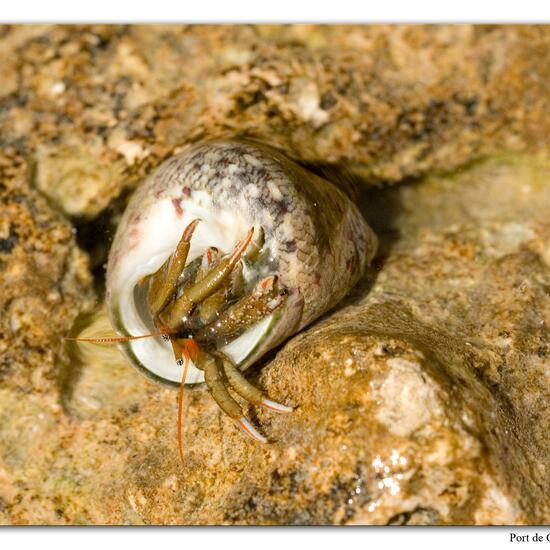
<point>180,404</point>
<point>116,339</point>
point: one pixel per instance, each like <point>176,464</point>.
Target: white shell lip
<point>160,232</point>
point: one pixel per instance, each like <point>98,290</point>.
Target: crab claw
<point>274,406</point>
<point>266,285</point>
<point>250,430</point>
<point>164,281</point>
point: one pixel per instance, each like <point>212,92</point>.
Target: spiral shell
<point>316,242</point>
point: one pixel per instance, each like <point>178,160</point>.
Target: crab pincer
<point>163,283</point>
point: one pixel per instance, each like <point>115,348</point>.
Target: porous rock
<point>421,400</point>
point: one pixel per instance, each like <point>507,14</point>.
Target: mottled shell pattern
<point>316,242</point>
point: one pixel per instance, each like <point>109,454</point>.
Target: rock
<point>97,107</point>
<point>45,281</point>
<point>77,179</point>
<point>476,294</point>
<point>420,400</point>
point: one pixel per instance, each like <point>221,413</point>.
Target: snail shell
<point>316,242</point>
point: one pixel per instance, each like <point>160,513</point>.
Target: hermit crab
<point>225,251</point>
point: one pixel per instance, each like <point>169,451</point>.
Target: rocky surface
<point>422,400</point>
<point>96,107</point>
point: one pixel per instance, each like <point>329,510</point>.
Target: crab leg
<point>215,278</point>
<point>209,260</point>
<point>249,392</point>
<point>180,407</point>
<point>244,313</point>
<point>205,287</point>
<point>164,281</point>
<point>197,269</point>
<point>210,308</point>
<point>190,273</point>
<point>216,384</point>
<point>256,245</point>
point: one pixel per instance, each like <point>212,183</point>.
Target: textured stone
<point>421,400</point>
<point>97,107</point>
